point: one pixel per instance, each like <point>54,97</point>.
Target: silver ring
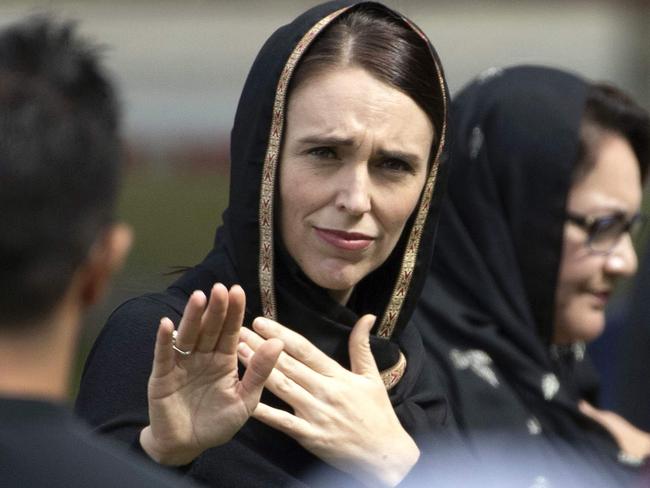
<point>179,351</point>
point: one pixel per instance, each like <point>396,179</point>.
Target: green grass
<point>174,217</point>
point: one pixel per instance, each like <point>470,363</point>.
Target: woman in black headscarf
<point>333,208</point>
<point>533,234</point>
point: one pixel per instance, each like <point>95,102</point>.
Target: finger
<point>190,326</point>
<point>213,318</point>
<point>163,354</point>
<point>258,369</point>
<point>590,411</point>
<point>227,343</point>
<point>604,418</point>
<point>361,359</point>
<point>302,374</point>
<point>297,346</point>
<point>283,421</point>
<point>586,408</point>
<point>251,338</point>
<point>278,383</point>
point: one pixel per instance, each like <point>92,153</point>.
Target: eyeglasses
<point>603,233</point>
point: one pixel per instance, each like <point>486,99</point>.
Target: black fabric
<point>112,396</point>
<point>41,445</point>
<point>486,312</point>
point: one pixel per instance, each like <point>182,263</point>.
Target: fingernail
<point>260,324</point>
<point>244,350</point>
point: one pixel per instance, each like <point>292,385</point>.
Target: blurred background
<point>181,65</point>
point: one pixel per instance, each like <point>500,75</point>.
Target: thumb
<point>259,369</point>
<point>361,359</point>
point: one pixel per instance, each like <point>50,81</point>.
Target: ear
<point>106,256</point>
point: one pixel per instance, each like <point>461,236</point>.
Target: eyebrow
<point>404,156</point>
<point>327,140</point>
<point>411,158</point>
<point>609,208</point>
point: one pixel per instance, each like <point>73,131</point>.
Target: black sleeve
<point>113,391</point>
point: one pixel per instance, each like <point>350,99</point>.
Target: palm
<point>198,401</point>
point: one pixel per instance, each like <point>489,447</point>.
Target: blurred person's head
<point>59,169</point>
<point>602,207</point>
<point>59,164</point>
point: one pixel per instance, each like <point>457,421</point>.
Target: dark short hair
<point>607,108</point>
<point>382,44</point>
<point>59,162</point>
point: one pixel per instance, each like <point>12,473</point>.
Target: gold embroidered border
<point>392,375</point>
<point>389,320</point>
<point>267,289</point>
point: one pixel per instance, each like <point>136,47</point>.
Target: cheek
<point>395,209</point>
<point>401,203</point>
<point>574,264</point>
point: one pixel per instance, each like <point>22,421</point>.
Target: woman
<point>534,233</point>
<point>335,155</point>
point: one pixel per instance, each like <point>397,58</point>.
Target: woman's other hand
<point>632,441</point>
<point>196,400</point>
<point>343,417</point>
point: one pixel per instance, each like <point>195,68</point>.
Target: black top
<point>41,445</point>
<point>113,390</point>
<point>486,313</point>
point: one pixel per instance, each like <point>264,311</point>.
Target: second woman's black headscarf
<point>487,309</point>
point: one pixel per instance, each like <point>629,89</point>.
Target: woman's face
<point>353,164</point>
<point>586,279</point>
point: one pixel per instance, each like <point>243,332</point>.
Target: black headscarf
<point>249,252</point>
<point>486,313</point>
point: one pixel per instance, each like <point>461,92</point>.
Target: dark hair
<point>609,109</point>
<point>381,43</point>
<point>59,162</point>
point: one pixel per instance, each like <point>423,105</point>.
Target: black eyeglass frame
<point>591,225</point>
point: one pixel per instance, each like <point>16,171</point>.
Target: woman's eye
<point>396,165</point>
<point>323,152</point>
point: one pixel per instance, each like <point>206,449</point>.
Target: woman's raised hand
<point>343,417</point>
<point>196,399</point>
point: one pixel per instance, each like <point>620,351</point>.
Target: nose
<point>353,191</point>
<point>622,261</point>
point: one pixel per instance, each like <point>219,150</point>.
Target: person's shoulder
<point>49,448</point>
<point>113,465</point>
<point>68,455</point>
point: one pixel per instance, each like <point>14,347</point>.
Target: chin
<point>590,328</point>
<point>585,326</point>
<point>335,277</point>
<point>334,283</point>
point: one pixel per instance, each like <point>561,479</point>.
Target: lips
<point>602,296</point>
<point>347,241</point>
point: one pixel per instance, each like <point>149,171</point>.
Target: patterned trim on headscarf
<point>267,288</point>
<point>389,320</point>
<point>392,375</point>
